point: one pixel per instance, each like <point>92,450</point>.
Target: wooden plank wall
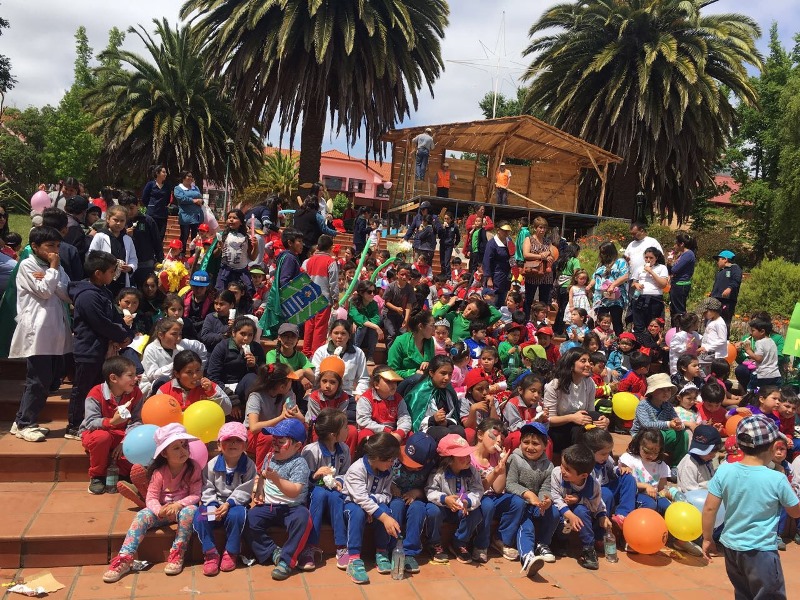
<point>553,184</point>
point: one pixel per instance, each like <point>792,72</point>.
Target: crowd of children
<point>455,428</point>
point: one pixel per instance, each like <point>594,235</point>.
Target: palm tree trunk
<point>311,143</point>
<point>623,187</point>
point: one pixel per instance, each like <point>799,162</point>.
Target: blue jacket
<point>226,364</point>
<point>189,213</point>
<point>214,330</point>
<point>96,321</point>
<point>360,232</point>
<point>156,200</point>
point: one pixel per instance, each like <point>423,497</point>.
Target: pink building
<point>359,179</point>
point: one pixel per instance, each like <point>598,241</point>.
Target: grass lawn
<point>22,225</point>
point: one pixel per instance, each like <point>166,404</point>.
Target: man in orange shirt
<point>443,177</point>
<point>501,183</point>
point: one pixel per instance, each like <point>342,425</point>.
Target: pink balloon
<point>669,334</point>
<point>198,452</point>
<point>39,201</point>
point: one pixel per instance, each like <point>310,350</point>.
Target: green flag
<point>207,256</point>
<point>792,344</point>
<point>272,313</point>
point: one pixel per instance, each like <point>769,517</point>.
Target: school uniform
<point>467,485</point>
<point>590,507</point>
<point>414,516</point>
<point>367,493</point>
<point>323,499</point>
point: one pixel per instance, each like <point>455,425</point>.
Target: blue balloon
<point>697,498</point>
<point>140,445</point>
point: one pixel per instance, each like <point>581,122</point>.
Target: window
<point>356,185</point>
<point>382,192</point>
<point>333,183</point>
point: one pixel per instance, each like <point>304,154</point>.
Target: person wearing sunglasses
<point>366,315</point>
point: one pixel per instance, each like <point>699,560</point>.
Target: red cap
<point>627,335</point>
<point>203,227</point>
<point>474,377</point>
<point>176,244</point>
<point>547,330</point>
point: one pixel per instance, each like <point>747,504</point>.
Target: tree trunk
<point>622,188</point>
<point>311,143</point>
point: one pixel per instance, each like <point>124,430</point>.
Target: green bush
<point>773,286</point>
<point>340,204</point>
<point>711,243</point>
<point>702,282</point>
<point>618,231</point>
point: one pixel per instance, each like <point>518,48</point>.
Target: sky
<point>41,45</point>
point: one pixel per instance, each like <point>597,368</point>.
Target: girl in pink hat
<point>172,497</point>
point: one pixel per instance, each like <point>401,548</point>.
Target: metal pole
<point>228,145</point>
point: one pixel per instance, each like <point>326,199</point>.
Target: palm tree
<point>164,109</point>
<point>650,80</point>
<point>278,176</point>
<point>357,60</point>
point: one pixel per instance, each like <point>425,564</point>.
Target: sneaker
<point>411,565</point>
<point>438,555</point>
<point>276,556</point>
<point>228,562</point>
<point>461,552</point>
<point>129,492</point>
<point>72,433</point>
<point>357,572</point>
<point>97,485</point>
<point>531,564</point>
<point>508,552</point>
<point>342,559</point>
<point>305,562</point>
<point>480,555</point>
<point>781,545</point>
<point>281,571</point>
<point>44,430</point>
<point>211,563</point>
<point>29,434</point>
<point>174,564</point>
<point>140,480</point>
<point>588,559</point>
<point>691,548</point>
<point>383,563</point>
<point>618,520</point>
<point>14,429</point>
<point>797,538</point>
<point>544,551</point>
<point>120,565</point>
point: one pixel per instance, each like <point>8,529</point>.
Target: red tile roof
<point>724,199</point>
<point>382,169</point>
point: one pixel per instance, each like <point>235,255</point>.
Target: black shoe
<point>588,559</point>
<point>462,552</point>
<point>72,433</point>
<point>97,486</point>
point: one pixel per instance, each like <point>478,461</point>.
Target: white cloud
<point>41,46</point>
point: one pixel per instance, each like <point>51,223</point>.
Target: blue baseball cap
<point>200,279</point>
<point>488,292</point>
<point>535,428</point>
<point>419,450</point>
<point>726,254</point>
<point>289,428</point>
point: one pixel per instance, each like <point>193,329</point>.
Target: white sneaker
<point>43,430</point>
<point>508,552</point>
<point>29,434</point>
<point>689,548</point>
<point>531,564</point>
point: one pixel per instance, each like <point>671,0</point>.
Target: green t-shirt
<point>476,236</point>
<point>296,361</point>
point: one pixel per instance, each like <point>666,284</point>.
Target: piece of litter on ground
<point>39,584</point>
<point>186,588</point>
<point>140,565</point>
<point>247,561</point>
<point>23,589</point>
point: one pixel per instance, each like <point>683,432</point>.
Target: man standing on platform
<point>424,143</point>
<point>443,177</point>
<point>501,183</point>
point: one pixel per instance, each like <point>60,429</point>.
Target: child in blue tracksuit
<point>328,460</point>
<point>410,506</point>
<point>367,488</point>
<point>476,341</point>
<point>456,488</point>
<point>280,497</point>
<point>577,496</point>
<point>227,489</point>
<point>617,483</point>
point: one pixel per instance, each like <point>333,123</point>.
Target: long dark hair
<point>381,446</point>
<point>570,251</point>
<point>4,230</point>
<point>652,436</point>
<point>608,253</point>
<point>689,242</point>
<point>361,287</point>
<point>566,365</point>
<point>161,461</point>
<point>269,377</point>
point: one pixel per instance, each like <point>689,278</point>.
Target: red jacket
<point>602,388</point>
<point>177,392</point>
<point>553,353</point>
<point>633,383</point>
<point>384,412</point>
<point>99,409</point>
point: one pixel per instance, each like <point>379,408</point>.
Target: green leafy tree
<point>84,77</point>
<point>785,235</point>
<point>22,143</point>
<point>278,175</point>
<point>649,81</point>
<point>360,63</point>
<point>7,81</point>
<point>163,108</point>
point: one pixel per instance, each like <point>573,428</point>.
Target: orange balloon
<point>731,353</point>
<point>645,530</point>
<point>554,252</point>
<point>731,423</point>
<point>161,410</point>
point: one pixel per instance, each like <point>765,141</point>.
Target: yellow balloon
<point>684,521</point>
<point>624,405</point>
<point>203,420</point>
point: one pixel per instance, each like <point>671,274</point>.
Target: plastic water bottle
<point>112,477</point>
<point>290,403</point>
<point>398,559</point>
<point>610,547</point>
<point>677,495</point>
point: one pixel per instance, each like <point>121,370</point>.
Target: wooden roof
<point>522,137</point>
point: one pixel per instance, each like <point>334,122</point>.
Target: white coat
<point>42,325</point>
<point>157,362</point>
<point>101,241</point>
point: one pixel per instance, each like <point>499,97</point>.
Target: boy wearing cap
<point>715,336</point>
<point>227,489</point>
<point>409,504</point>
<point>509,350</point>
<point>727,282</point>
<point>285,351</point>
<point>544,335</point>
<point>280,498</point>
<point>696,469</point>
<point>529,473</point>
<point>619,360</point>
<point>261,289</point>
<point>753,495</point>
<point>197,303</point>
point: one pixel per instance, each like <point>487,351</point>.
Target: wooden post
<point>475,178</point>
<point>603,179</point>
